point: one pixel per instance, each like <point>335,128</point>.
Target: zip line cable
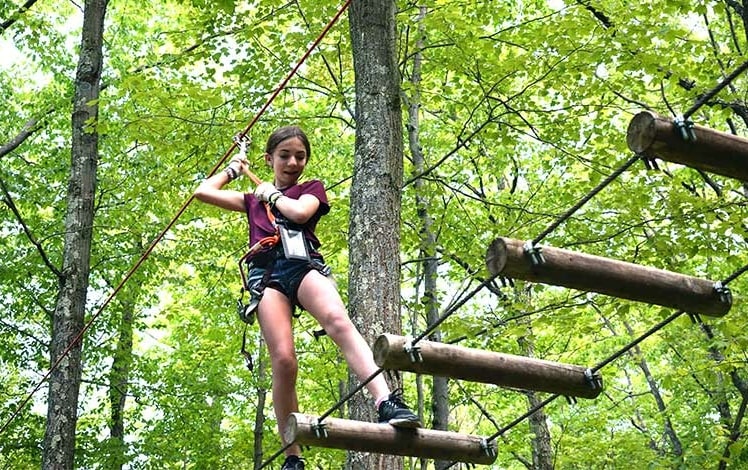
<point>586,199</point>
<point>168,227</point>
<point>713,92</point>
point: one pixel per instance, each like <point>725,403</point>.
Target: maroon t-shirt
<point>261,227</point>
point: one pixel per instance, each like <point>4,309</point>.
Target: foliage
<point>524,108</point>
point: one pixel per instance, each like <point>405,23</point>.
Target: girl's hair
<point>287,132</point>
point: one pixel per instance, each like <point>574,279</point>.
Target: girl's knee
<point>284,363</point>
<point>338,324</point>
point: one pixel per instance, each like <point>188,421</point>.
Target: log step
<point>507,257</point>
<point>717,152</point>
<point>393,353</point>
<point>361,436</point>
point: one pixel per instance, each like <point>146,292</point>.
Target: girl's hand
<point>267,192</point>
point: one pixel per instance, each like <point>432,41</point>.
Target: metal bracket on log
<point>723,291</point>
<point>535,253</point>
<point>320,430</point>
<point>594,379</point>
<point>616,278</point>
<point>412,350</point>
<point>686,128</point>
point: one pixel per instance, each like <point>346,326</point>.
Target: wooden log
<point>591,273</point>
<point>476,365</point>
<point>385,439</point>
<point>717,152</point>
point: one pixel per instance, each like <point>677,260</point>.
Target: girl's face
<point>287,161</point>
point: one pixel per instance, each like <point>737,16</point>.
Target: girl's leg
<point>320,298</point>
<point>274,317</point>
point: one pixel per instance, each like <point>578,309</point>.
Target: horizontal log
<point>507,257</point>
<point>362,436</point>
<point>476,365</point>
<point>717,152</point>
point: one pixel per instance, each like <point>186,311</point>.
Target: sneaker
<point>293,462</point>
<point>395,412</point>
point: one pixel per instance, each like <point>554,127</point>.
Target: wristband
<point>273,198</point>
<point>231,173</point>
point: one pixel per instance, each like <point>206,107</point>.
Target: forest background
<point>522,109</point>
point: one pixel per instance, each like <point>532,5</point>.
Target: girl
<point>287,271</point>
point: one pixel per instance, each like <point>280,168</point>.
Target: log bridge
<point>362,436</point>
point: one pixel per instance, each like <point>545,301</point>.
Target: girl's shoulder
<point>314,187</point>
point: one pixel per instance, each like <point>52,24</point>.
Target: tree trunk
<point>654,388</point>
<point>542,452</point>
<point>440,385</point>
<point>260,409</point>
<point>119,379</point>
<point>67,322</point>
<point>374,277</point>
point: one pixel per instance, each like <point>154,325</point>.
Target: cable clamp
<point>413,351</point>
<point>319,430</point>
<point>488,447</point>
<point>686,128</point>
<point>725,296</point>
<point>650,163</point>
<point>594,379</point>
<point>242,141</point>
<point>534,252</point>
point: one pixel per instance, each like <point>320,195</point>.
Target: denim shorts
<point>285,276</point>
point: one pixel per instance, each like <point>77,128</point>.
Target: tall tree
<point>68,319</point>
<point>374,232</point>
<point>439,396</point>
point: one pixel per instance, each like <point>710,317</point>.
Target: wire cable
<point>660,325</point>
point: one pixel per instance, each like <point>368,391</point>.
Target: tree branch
<point>14,17</point>
<point>600,16</point>
<point>28,129</point>
<point>9,202</point>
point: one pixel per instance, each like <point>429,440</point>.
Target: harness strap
<point>245,353</point>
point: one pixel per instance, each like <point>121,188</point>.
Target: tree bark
<point>654,388</point>
<point>67,322</point>
<point>262,392</point>
<point>374,227</point>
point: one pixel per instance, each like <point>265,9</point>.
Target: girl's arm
<point>298,210</point>
<point>210,190</point>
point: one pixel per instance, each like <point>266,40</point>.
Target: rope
<point>173,221</point>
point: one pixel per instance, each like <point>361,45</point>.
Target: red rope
<point>181,210</point>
